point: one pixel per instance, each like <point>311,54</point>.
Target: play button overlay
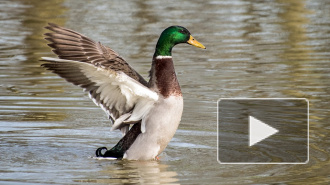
<point>259,130</point>
<point>263,131</point>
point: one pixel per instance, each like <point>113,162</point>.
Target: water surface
<point>255,49</point>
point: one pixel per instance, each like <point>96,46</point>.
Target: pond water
<point>255,49</point>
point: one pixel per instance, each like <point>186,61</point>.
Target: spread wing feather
<point>71,45</point>
<point>111,83</point>
<point>120,96</point>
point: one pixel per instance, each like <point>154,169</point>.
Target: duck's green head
<point>172,36</point>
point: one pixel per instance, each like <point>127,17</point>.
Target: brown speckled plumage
<point>71,45</point>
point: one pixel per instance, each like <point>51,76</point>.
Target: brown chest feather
<point>166,80</point>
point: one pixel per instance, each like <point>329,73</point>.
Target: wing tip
<point>50,26</point>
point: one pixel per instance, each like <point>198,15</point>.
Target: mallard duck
<point>153,108</point>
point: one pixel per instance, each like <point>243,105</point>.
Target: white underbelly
<point>160,125</point>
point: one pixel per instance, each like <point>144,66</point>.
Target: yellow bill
<point>194,42</point>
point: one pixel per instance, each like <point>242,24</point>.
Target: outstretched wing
<point>111,82</point>
<point>123,98</point>
<point>71,45</point>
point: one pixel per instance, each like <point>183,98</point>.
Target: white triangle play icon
<point>259,130</point>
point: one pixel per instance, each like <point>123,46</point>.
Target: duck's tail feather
<point>123,145</point>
